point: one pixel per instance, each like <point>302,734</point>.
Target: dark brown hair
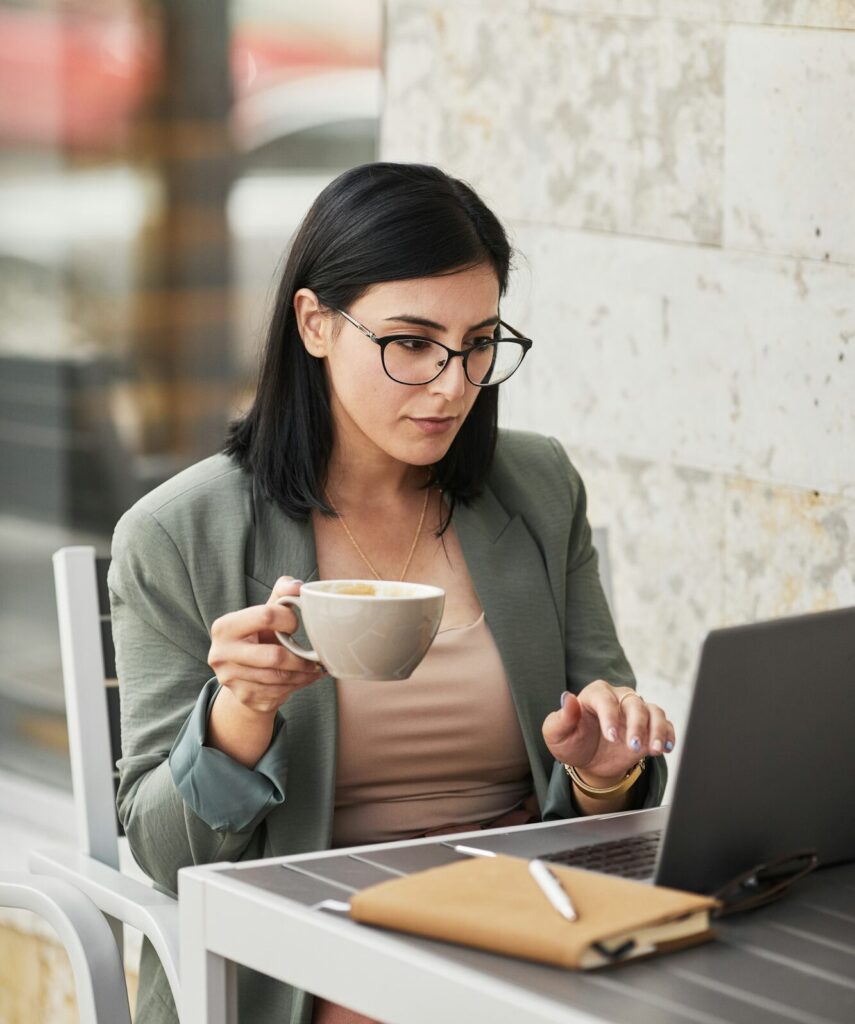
<point>374,223</point>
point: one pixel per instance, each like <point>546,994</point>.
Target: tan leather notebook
<point>495,904</point>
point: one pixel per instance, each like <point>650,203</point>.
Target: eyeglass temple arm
<point>358,325</point>
<point>515,332</point>
<point>373,336</point>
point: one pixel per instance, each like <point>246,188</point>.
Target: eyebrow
<point>420,321</point>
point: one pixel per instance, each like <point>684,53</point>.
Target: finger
<point>602,699</point>
<point>559,726</point>
<point>265,656</point>
<point>284,585</point>
<point>255,619</point>
<point>657,729</point>
<point>671,737</point>
<point>637,720</point>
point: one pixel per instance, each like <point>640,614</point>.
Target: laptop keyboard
<point>633,857</point>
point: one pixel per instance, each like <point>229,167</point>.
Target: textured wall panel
<point>706,394</point>
<point>790,142</point>
<point>692,551</point>
<point>666,541</point>
<point>803,13</point>
<point>787,551</point>
<point>591,122</point>
<point>728,361</point>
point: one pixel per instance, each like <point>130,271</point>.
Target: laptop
<point>767,763</point>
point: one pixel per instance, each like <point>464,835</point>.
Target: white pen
<point>473,851</point>
<point>552,889</point>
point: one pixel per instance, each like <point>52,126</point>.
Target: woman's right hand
<point>249,662</point>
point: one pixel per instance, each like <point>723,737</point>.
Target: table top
<point>793,960</point>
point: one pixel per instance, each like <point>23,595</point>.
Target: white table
<point>792,961</point>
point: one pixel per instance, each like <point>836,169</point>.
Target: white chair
<point>99,978</point>
<point>92,708</point>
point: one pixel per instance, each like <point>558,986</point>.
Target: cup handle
<point>287,640</point>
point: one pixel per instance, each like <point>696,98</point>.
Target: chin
<point>425,453</point>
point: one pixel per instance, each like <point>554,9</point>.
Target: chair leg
<point>99,976</point>
<point>118,930</point>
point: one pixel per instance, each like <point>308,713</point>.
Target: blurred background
<point>155,158</point>
<point>676,175</point>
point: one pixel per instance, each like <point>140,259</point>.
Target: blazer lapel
<point>280,546</point>
<point>512,584</point>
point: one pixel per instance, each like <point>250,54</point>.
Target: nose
<point>451,383</point>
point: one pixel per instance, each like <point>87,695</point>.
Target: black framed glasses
<point>414,360</point>
<point>764,883</point>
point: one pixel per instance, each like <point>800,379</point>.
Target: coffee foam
<point>382,588</point>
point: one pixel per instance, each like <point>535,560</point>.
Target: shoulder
<point>531,468</point>
<point>208,498</point>
<point>532,477</point>
<point>182,547</point>
<point>216,478</point>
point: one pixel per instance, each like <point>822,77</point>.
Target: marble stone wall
<point>678,177</point>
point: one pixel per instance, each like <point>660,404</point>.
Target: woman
<point>371,450</point>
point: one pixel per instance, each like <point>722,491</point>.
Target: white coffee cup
<point>366,629</point>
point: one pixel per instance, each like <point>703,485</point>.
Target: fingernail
<point>563,697</point>
<point>297,583</point>
<point>669,746</point>
<point>635,743</point>
<point>657,746</point>
<point>612,734</point>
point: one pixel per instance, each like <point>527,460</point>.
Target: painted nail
<point>657,746</point>
<point>669,746</point>
<point>635,743</point>
<point>612,735</point>
<point>563,697</point>
<point>296,583</point>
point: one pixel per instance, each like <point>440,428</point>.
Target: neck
<point>363,478</point>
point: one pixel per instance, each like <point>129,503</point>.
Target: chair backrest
<point>91,697</point>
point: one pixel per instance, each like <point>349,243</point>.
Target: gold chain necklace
<point>365,557</point>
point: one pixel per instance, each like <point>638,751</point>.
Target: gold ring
<point>632,693</point>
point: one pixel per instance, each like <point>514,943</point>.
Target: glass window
<point>154,160</point>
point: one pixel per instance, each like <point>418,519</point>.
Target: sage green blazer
<point>206,543</point>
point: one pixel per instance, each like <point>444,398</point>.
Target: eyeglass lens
<point>419,360</point>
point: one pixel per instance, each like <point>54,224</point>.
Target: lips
<point>433,424</point>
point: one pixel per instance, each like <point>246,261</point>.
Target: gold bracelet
<point>597,793</point>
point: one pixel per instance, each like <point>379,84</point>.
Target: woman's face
<point>373,413</point>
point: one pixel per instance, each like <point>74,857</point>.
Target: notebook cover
<point>493,903</point>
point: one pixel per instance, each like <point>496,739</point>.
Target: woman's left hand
<point>605,731</point>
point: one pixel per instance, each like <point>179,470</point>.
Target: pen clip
<point>337,906</point>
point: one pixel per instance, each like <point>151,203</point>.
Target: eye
<point>478,342</point>
<point>413,344</point>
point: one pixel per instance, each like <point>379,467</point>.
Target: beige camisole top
<point>440,749</point>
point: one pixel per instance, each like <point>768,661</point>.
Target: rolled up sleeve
<point>226,795</point>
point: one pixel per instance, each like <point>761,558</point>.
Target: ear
<point>313,323</point>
